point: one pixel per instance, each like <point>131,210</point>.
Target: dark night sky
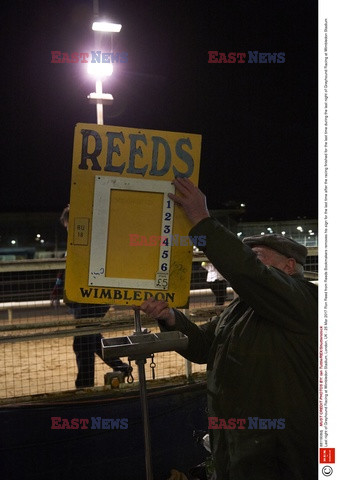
<point>258,121</point>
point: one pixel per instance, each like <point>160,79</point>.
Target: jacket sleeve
<point>200,337</point>
<point>289,301</point>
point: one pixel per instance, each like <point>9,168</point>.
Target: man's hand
<point>158,310</point>
<point>191,199</point>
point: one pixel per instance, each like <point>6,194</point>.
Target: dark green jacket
<point>261,356</point>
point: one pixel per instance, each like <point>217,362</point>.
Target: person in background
<point>217,283</point>
<point>86,346</point>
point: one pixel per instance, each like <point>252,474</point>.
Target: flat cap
<point>284,245</point>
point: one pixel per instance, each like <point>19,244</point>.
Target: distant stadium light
<point>106,27</point>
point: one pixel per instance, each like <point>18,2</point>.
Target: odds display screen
<point>127,240</point>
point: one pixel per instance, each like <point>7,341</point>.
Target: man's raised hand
<point>191,199</point>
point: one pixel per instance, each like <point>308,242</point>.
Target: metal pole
<point>99,106</point>
<point>145,412</point>
<point>188,364</point>
<point>99,86</point>
<point>96,8</point>
<point>144,404</point>
<point>138,326</point>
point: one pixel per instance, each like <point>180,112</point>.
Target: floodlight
<point>106,27</point>
<point>100,70</point>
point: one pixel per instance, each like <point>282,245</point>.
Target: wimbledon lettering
<point>129,295</point>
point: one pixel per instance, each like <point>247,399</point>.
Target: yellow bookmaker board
<point>127,240</point>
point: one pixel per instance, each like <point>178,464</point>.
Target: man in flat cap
<point>261,353</point>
